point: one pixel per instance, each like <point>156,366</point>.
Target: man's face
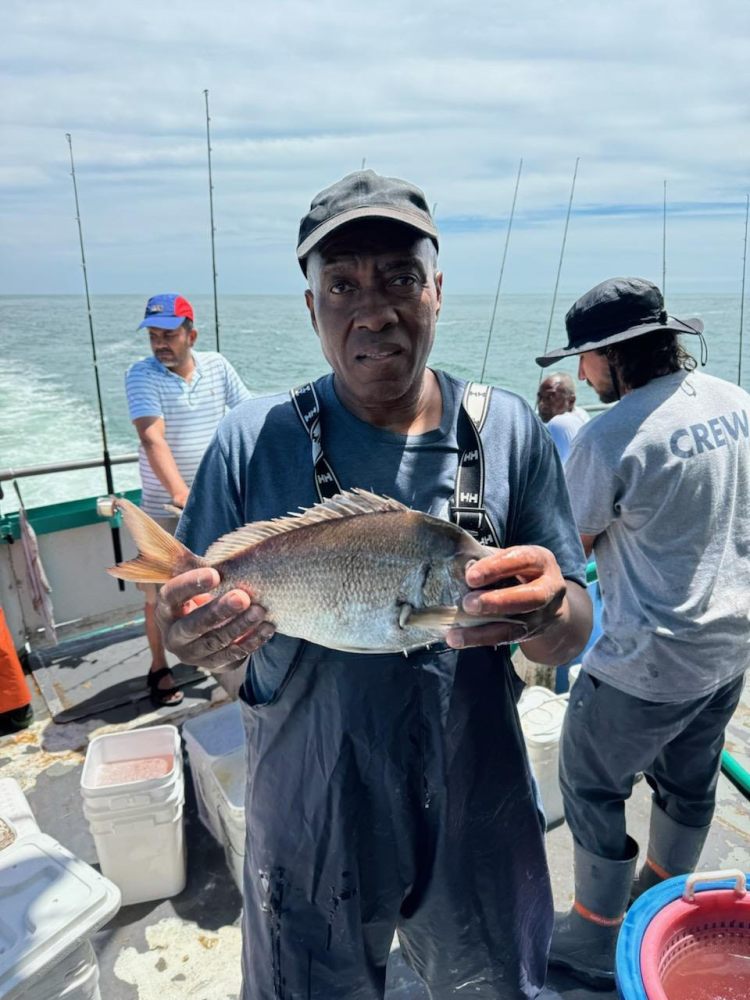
<point>374,300</point>
<point>552,399</point>
<point>171,347</point>
<point>594,369</point>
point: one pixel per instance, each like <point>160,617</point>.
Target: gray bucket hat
<point>363,195</point>
<point>617,309</point>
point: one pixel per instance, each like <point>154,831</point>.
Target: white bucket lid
<point>57,902</point>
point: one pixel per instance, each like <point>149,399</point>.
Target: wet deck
<point>189,946</point>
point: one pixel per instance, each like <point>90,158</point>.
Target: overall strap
<point>306,404</point>
<point>467,505</point>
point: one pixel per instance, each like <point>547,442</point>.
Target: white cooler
<point>50,903</point>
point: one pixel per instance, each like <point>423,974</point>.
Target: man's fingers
<point>185,630</point>
<point>508,601</point>
<point>247,630</point>
<point>497,634</point>
<point>186,586</point>
<point>518,561</point>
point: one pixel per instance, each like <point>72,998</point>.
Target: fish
<point>358,572</point>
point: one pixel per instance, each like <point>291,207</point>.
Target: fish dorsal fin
<point>347,504</point>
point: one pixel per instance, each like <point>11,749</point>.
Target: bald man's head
<point>556,394</point>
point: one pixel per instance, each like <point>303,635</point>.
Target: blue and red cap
<point>166,312</point>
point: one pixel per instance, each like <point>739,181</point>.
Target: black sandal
<point>163,696</point>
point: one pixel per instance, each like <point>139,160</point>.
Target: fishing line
<point>742,296</point>
<point>117,548</point>
<point>213,227</point>
<point>560,263</point>
<point>664,245</point>
<point>502,269</point>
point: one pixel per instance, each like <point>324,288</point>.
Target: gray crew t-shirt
<point>259,466</point>
<point>663,480</point>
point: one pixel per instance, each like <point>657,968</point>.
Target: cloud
<point>449,96</point>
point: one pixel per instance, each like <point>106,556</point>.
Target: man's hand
<point>554,614</point>
<point>179,497</point>
<point>207,631</point>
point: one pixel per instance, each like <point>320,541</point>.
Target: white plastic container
<point>57,902</point>
<point>15,809</point>
<point>137,824</point>
<point>136,745</point>
<point>135,797</point>
<point>542,713</point>
<point>143,855</point>
<point>208,738</point>
<point>75,978</point>
<point>228,776</point>
<point>162,812</point>
<point>235,859</point>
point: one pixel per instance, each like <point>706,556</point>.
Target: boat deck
<point>189,946</point>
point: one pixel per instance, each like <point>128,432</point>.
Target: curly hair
<point>641,359</point>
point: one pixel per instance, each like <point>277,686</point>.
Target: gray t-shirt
<point>259,466</point>
<point>663,480</point>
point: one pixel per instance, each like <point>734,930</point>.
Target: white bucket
<point>145,858</point>
<point>137,822</point>
<point>134,796</point>
<point>235,858</point>
<point>114,819</point>
<point>542,714</point>
<point>154,753</point>
<point>208,738</point>
<point>229,779</point>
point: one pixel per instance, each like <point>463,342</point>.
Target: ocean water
<point>48,406</point>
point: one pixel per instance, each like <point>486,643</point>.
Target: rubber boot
<point>584,938</point>
<point>673,849</point>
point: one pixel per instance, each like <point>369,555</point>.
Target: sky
<point>450,95</point>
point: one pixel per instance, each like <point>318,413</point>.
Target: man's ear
<point>439,288</point>
<point>192,336</point>
<point>310,303</point>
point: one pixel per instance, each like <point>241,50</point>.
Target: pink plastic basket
<point>698,947</point>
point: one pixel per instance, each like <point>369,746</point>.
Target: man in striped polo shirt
<point>176,399</point>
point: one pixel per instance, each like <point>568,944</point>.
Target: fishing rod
<point>213,227</point>
<point>560,263</point>
<point>116,546</point>
<point>502,270</point>
<point>742,296</point>
<point>664,245</point>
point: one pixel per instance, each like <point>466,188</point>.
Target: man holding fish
<point>385,791</point>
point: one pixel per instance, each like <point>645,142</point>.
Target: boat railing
<point>96,463</point>
<point>85,463</point>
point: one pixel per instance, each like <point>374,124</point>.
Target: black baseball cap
<point>363,195</point>
<point>614,310</point>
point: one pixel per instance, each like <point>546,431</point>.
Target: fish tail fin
<point>160,556</point>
